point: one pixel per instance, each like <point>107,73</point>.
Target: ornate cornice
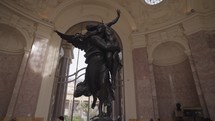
<point>198,22</point>
<point>174,32</point>
<point>203,21</point>
<point>170,61</point>
<point>138,41</point>
<point>17,52</point>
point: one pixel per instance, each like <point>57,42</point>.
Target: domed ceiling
<point>147,17</point>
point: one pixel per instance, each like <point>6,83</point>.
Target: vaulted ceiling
<point>147,17</point>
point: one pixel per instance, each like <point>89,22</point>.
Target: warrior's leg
<point>94,102</point>
<point>100,108</point>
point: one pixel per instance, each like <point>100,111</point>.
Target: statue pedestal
<point>102,119</point>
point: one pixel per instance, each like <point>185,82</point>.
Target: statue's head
<point>91,27</point>
<point>101,26</point>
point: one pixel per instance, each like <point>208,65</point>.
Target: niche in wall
<point>173,79</point>
<point>12,44</point>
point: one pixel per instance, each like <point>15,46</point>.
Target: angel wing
<point>76,40</point>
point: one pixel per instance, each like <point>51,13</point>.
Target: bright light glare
<point>153,2</point>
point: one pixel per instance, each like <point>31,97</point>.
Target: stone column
<point>29,88</point>
<point>154,93</point>
<point>60,95</point>
<point>197,84</point>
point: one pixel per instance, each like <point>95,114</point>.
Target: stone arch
<point>16,41</point>
<point>183,44</point>
<point>168,53</point>
<point>108,5</point>
<point>27,37</point>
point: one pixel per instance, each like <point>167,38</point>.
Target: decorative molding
<point>152,17</point>
<point>43,31</point>
<point>173,34</point>
<point>17,52</point>
<point>138,41</point>
<point>14,20</point>
<point>25,13</point>
<point>188,23</point>
<point>170,61</point>
<point>25,26</point>
<point>152,40</point>
<point>199,22</point>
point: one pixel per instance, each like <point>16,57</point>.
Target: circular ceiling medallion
<point>153,2</point>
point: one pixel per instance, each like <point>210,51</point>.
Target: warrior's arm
<point>115,20</point>
<point>76,40</point>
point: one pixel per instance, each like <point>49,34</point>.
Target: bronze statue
<point>101,47</point>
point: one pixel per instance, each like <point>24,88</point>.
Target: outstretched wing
<point>75,40</point>
<point>80,44</point>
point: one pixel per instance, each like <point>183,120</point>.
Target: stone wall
<point>142,84</point>
<point>9,67</point>
<point>174,84</point>
<point>202,45</point>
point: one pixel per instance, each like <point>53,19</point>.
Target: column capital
<point>67,48</point>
